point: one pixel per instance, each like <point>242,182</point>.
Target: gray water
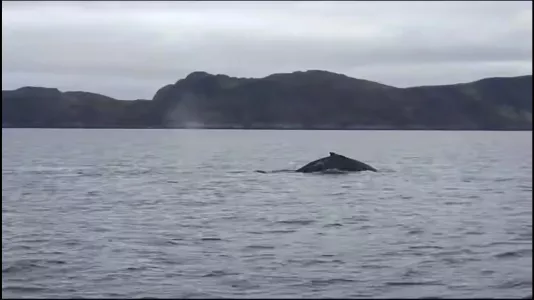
<point>181,213</point>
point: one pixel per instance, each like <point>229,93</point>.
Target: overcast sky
<point>128,50</point>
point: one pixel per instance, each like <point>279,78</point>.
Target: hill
<point>298,100</point>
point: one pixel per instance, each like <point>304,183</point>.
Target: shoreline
<point>283,129</point>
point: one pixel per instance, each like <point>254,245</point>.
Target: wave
<point>328,171</point>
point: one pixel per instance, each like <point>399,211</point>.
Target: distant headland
<point>299,100</point>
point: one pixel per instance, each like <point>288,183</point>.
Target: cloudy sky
<point>128,50</point>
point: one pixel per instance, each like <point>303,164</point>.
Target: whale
<point>335,162</point>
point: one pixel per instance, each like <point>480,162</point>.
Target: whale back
<point>344,163</point>
<point>336,161</point>
<point>314,166</point>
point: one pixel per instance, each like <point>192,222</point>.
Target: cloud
<point>130,49</point>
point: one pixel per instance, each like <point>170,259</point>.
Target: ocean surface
<point>181,213</point>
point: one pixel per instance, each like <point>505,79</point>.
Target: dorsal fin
<point>332,154</point>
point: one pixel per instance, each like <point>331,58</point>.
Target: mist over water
<point>182,213</point>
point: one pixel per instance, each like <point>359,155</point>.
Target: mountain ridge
<point>312,99</point>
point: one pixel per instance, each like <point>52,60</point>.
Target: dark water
<point>181,213</point>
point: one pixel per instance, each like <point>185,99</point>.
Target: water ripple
<point>178,213</point>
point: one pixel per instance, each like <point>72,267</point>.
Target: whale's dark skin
<point>336,161</point>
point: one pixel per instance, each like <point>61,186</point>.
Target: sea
<point>160,213</point>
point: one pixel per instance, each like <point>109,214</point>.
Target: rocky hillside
<point>304,100</point>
